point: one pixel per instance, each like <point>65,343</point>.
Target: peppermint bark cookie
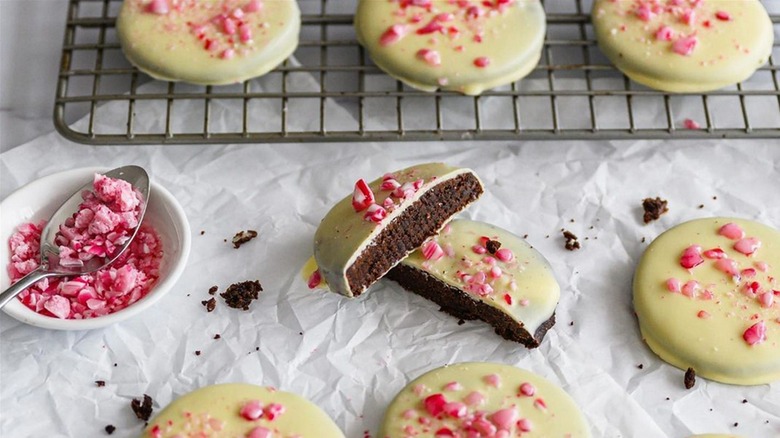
<point>241,410</point>
<point>474,270</point>
<point>466,45</point>
<point>482,400</point>
<point>208,42</point>
<point>366,234</point>
<point>684,46</point>
<point>707,295</point>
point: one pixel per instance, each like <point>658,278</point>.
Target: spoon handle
<point>23,283</point>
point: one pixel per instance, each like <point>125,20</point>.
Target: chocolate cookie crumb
<point>300,333</point>
<point>571,241</point>
<point>571,323</point>
<point>217,336</point>
<point>461,322</point>
<point>736,424</point>
<point>525,236</point>
<point>643,240</point>
<point>210,304</point>
<point>100,383</point>
<point>668,398</point>
<point>744,400</point>
<point>492,246</point>
<point>243,237</point>
<point>654,208</point>
<point>202,232</point>
<point>240,295</point>
<point>690,378</point>
<point>197,352</point>
<point>142,409</point>
<point>115,364</point>
<point>257,348</point>
<point>640,366</point>
<point>213,290</point>
<point>110,429</point>
<point>701,206</point>
<point>714,198</point>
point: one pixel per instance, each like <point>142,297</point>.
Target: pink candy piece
<point>273,411</point>
<point>229,26</point>
<point>314,279</point>
<point>482,61</point>
<point>260,432</point>
<point>685,45</point>
<point>479,249</point>
<point>59,306</point>
<point>527,389</point>
<point>443,432</point>
<point>474,399</point>
<point>766,299</point>
<point>453,386</point>
<point>504,418</point>
<point>691,124</point>
<point>159,7</point>
<point>228,54</point>
<point>524,425</point>
<point>723,16</point>
<point>252,410</point>
<point>689,17</point>
<point>508,299</point>
<point>505,255</point>
<point>540,404</point>
<point>455,409</point>
<point>253,6</point>
<point>761,266</point>
<point>389,184</point>
<point>644,12</point>
<point>393,34</point>
<point>434,404</point>
<point>245,33</point>
<point>484,427</point>
<point>690,288</point>
<point>673,285</point>
<point>727,266</point>
<point>703,314</point>
<point>755,334</point>
<point>664,33</point>
<point>748,245</point>
<point>431,57</point>
<point>714,253</point>
<point>432,251</point>
<point>731,231</point>
<point>691,257</point>
<point>375,213</point>
<point>362,197</point>
<point>493,380</point>
<point>495,272</point>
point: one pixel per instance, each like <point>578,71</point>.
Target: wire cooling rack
<point>330,91</point>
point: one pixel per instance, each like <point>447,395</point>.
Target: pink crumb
<point>685,45</point>
<point>691,124</point>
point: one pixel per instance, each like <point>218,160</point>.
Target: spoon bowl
<point>50,265</point>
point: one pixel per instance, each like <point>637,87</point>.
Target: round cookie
<point>491,399</point>
<point>475,270</point>
<point>467,45</point>
<point>241,410</point>
<point>707,295</point>
<point>208,42</point>
<point>367,233</point>
<point>684,46</point>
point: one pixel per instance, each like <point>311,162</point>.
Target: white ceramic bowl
<point>39,199</point>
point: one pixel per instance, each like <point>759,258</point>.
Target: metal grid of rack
<point>330,91</point>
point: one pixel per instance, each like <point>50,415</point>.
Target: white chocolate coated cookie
<point>684,45</point>
<point>492,266</point>
<point>466,45</point>
<point>707,295</point>
<point>482,399</point>
<point>241,410</point>
<point>208,42</point>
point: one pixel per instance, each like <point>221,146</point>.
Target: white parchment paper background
<point>351,356</point>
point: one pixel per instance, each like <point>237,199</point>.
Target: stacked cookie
<point>399,226</point>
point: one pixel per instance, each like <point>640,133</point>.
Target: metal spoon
<point>50,261</point>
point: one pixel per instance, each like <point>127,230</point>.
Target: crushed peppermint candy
<point>104,221</point>
<point>755,334</point>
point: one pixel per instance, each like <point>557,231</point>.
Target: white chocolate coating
<point>192,43</point>
<point>523,288</point>
<point>556,416</point>
<point>727,50</point>
<point>706,332</point>
<point>344,233</point>
<point>215,411</point>
<point>510,37</point>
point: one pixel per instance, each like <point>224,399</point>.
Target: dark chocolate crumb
<point>217,336</point>
<point>224,240</point>
<point>257,348</point>
<point>461,322</point>
<point>240,295</point>
<point>210,304</point>
<point>525,236</point>
<point>197,352</point>
<point>142,409</point>
<point>100,383</point>
<point>492,246</point>
<point>213,290</point>
<point>654,208</point>
<point>701,206</point>
<point>690,378</point>
<point>243,237</point>
<point>547,236</point>
<point>667,398</point>
<point>643,240</point>
<point>115,364</point>
<point>571,220</point>
<point>571,323</point>
<point>714,198</point>
<point>744,400</point>
<point>640,366</point>
<point>110,429</point>
<point>591,227</point>
<point>736,424</point>
<point>571,241</point>
<point>202,232</point>
<point>300,333</point>
<point>188,294</point>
